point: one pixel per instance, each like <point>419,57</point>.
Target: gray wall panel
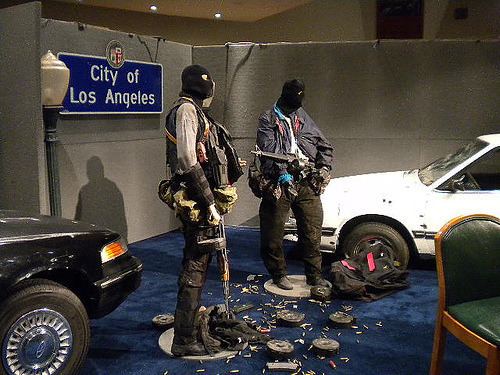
<point>462,90</point>
<point>363,155</point>
<point>247,205</point>
<point>21,131</point>
<point>385,106</point>
<point>367,90</point>
<point>119,194</point>
<point>214,59</point>
<point>129,150</point>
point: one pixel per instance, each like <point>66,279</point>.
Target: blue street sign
<point>97,88</point>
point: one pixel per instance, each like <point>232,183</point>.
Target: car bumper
<point>114,289</point>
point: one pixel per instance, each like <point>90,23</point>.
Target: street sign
<point>95,87</point>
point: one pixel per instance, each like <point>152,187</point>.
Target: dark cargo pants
<point>308,213</point>
<point>190,283</point>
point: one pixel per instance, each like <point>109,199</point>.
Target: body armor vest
<point>207,135</point>
<point>170,126</point>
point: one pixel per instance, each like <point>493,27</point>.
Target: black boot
<point>283,282</point>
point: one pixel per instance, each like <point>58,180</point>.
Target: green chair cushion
<point>481,317</point>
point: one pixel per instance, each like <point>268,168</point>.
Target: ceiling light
<point>218,15</point>
<point>153,8</point>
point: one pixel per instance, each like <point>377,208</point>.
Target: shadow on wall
<point>100,201</point>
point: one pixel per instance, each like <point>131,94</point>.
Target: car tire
<point>43,325</point>
<point>369,233</point>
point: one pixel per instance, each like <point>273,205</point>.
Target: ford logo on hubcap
<point>40,349</point>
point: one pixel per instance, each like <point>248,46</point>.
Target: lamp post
<point>55,81</point>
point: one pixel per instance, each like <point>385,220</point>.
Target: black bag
<point>256,180</point>
<point>368,276</point>
<point>261,186</point>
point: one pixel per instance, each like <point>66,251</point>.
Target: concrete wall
<point>388,106</point>
<point>110,165</point>
<point>22,159</point>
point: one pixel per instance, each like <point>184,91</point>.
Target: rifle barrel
<point>287,158</point>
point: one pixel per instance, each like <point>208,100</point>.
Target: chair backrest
<point>468,259</point>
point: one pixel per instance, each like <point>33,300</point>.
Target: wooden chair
<point>468,268</point>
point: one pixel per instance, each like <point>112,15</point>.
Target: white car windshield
<point>441,166</point>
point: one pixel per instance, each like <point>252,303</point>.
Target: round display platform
<point>165,343</point>
<point>300,287</point>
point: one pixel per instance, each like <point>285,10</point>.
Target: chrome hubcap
<point>38,343</point>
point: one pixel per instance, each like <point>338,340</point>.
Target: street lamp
<point>55,81</point>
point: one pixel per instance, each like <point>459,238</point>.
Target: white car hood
<point>373,183</point>
<point>374,193</point>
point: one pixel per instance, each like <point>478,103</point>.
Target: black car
<point>55,274</point>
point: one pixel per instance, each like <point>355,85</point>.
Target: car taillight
<point>113,250</point>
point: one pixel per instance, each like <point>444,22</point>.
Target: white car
<point>406,209</point>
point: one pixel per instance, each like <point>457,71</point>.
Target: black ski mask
<point>197,82</point>
<point>291,97</point>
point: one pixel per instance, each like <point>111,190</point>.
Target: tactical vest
<point>170,127</point>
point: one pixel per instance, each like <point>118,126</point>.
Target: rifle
<point>299,167</point>
<point>223,263</point>
<point>295,163</point>
<point>220,245</point>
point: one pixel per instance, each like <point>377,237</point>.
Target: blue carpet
<point>125,342</point>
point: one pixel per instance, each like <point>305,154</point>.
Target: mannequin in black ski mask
<point>190,132</point>
<point>197,84</point>
<point>287,128</point>
<point>291,97</point>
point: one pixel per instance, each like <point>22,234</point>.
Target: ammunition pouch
<point>190,210</point>
<point>234,169</point>
<point>225,199</point>
<point>261,186</point>
<point>177,198</point>
<point>166,193</point>
<point>218,163</point>
<point>187,209</point>
<point>319,180</point>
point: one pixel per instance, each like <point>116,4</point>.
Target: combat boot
<point>283,282</point>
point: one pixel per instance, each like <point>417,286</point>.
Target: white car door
<point>476,190</point>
